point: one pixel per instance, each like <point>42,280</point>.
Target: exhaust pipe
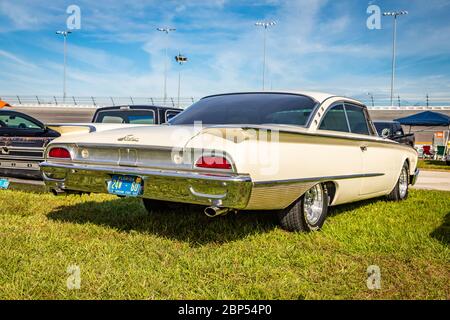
<point>57,192</point>
<point>213,212</point>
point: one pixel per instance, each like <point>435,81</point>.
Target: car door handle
<point>363,148</point>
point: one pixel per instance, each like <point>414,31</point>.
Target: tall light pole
<point>180,59</point>
<point>166,30</point>
<point>64,33</point>
<point>394,14</point>
<point>266,25</point>
<point>371,98</point>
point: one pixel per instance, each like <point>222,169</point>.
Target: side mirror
<point>385,133</point>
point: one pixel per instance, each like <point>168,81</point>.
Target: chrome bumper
<point>228,191</point>
<point>414,177</point>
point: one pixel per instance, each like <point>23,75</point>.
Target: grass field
<point>125,253</point>
<point>433,165</point>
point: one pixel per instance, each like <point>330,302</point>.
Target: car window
<point>170,115</point>
<point>357,119</point>
<point>112,119</point>
<point>249,108</point>
<point>17,122</point>
<point>129,116</point>
<point>335,120</point>
<point>141,119</point>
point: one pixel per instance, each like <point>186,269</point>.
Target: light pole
<point>166,31</point>
<point>266,25</point>
<point>180,59</point>
<point>371,98</point>
<point>394,14</point>
<point>64,34</point>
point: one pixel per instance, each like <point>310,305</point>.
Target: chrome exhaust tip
<point>57,192</point>
<point>213,212</point>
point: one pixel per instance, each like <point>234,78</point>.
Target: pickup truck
<point>393,130</point>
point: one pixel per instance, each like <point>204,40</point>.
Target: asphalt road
<point>433,180</point>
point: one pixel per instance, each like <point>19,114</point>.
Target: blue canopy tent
<point>428,119</point>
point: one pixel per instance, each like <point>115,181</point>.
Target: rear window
<point>127,116</point>
<point>249,108</point>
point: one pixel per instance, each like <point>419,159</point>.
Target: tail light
<point>213,163</point>
<point>60,153</point>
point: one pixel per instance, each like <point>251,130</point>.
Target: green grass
<point>125,253</point>
<point>433,165</point>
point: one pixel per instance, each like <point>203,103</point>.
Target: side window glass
<point>170,115</point>
<point>357,120</point>
<point>335,120</point>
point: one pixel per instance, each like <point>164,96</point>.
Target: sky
<point>319,45</point>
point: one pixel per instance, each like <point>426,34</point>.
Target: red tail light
<point>59,153</point>
<point>213,163</point>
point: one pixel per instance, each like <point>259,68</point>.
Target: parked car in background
<point>254,151</point>
<point>143,114</point>
<point>393,130</point>
<point>22,143</point>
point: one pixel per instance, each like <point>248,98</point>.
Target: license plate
<point>4,183</point>
<point>129,186</point>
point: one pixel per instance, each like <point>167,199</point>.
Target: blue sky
<point>319,45</point>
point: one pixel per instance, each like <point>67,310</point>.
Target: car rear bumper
<point>227,190</point>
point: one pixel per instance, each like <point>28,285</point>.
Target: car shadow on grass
<point>442,233</point>
<point>188,223</point>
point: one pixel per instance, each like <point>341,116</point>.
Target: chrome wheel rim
<point>313,204</point>
<point>403,183</point>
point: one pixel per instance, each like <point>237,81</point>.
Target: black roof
<point>131,107</point>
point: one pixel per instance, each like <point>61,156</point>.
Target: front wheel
<point>401,189</point>
<point>308,213</point>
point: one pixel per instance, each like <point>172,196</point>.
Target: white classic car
<point>295,153</point>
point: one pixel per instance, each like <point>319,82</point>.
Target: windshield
<point>249,108</point>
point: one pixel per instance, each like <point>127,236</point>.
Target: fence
<point>18,100</point>
<point>374,101</point>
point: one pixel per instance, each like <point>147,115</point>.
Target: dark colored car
<point>393,130</point>
<point>135,114</point>
<point>22,143</point>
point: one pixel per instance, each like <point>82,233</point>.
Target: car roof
<point>320,97</point>
<point>131,107</point>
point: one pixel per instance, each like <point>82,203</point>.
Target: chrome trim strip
<point>22,148</point>
<point>323,135</point>
<point>316,179</point>
<point>138,171</point>
<point>13,157</point>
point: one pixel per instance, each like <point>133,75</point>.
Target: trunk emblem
<point>129,138</point>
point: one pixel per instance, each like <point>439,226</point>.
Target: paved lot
<point>433,180</point>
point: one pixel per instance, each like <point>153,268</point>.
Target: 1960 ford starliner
<point>292,153</point>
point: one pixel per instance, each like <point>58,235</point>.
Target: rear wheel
<point>401,189</point>
<point>308,213</point>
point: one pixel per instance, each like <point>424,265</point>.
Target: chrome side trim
<point>316,179</point>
